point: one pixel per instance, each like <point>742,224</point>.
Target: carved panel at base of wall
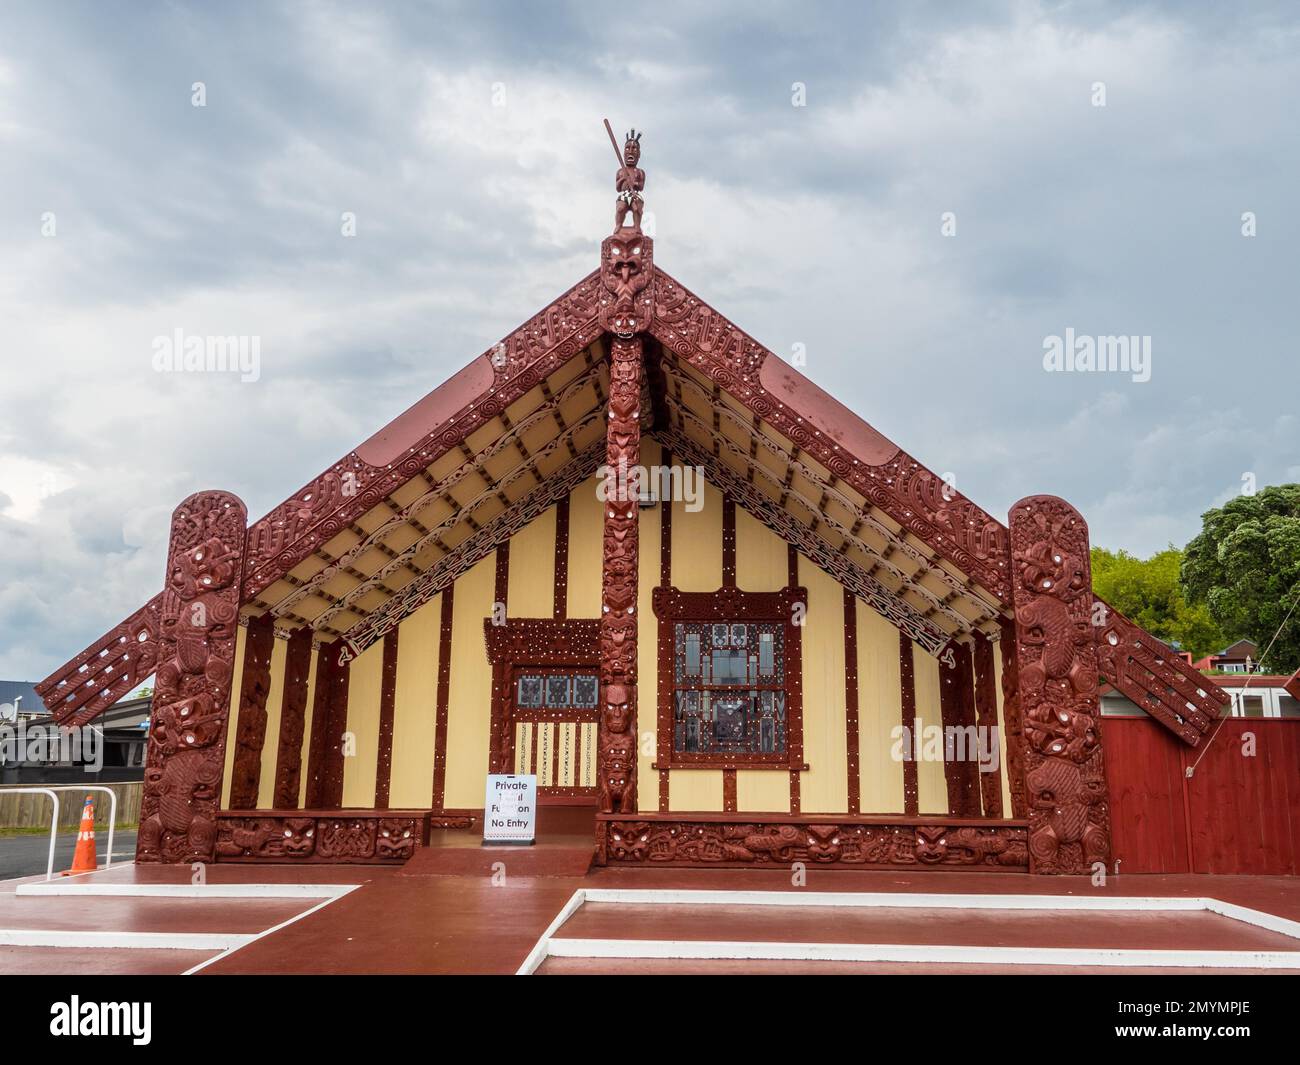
<point>1056,661</point>
<point>191,701</point>
<point>361,837</point>
<point>844,842</point>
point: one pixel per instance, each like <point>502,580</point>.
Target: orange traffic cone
<point>83,859</point>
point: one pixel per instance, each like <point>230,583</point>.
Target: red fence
<point>1240,813</point>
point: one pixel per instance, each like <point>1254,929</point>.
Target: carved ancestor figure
<point>1056,662</point>
<point>197,628</point>
<point>616,750</point>
<point>629,181</point>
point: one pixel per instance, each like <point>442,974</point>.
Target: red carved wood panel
<point>986,713</point>
<point>250,726</point>
<point>957,707</point>
<point>616,739</point>
<point>293,719</point>
<point>329,719</point>
<point>387,711</point>
<point>196,649</point>
<point>739,841</point>
<point>1069,823</point>
<point>907,696</point>
<point>354,837</point>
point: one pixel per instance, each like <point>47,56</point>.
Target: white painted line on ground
<point>29,937</point>
<point>549,945</point>
<point>186,891</point>
<point>344,889</point>
<point>896,899</point>
<point>538,954</point>
<point>1258,918</point>
<point>703,950</point>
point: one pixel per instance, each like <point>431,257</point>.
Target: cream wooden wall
<point>761,565</point>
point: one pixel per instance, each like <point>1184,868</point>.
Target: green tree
<point>1148,592</point>
<point>1245,566</point>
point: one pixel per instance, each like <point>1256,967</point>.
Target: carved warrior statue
<point>626,257</point>
<point>629,181</point>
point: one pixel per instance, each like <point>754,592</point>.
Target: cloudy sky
<point>467,142</point>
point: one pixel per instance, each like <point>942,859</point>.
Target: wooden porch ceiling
<point>933,600</point>
<point>443,511</point>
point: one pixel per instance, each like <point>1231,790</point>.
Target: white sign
<point>510,808</point>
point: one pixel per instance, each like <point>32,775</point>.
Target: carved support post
<point>196,651</point>
<point>616,765</point>
<point>1055,656</point>
<point>250,725</point>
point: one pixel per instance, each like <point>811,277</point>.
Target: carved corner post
<point>1055,657</point>
<point>196,652</point>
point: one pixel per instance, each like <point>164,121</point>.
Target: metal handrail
<point>54,822</point>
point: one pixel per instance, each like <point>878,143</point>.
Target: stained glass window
<point>729,681</point>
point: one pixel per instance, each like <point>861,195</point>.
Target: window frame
<point>730,606</point>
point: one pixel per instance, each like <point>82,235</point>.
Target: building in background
<point>124,727</point>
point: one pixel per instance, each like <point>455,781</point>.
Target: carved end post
<point>191,701</point>
<point>1055,658</point>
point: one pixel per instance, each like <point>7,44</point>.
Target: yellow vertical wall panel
<point>696,790</point>
<point>761,556</point>
<point>586,545</point>
<point>232,715</point>
<point>931,787</point>
<point>824,788</point>
<point>532,568</point>
<point>647,650</point>
<point>879,713</point>
<point>763,790</point>
<point>697,544</point>
<point>306,730</point>
<point>271,741</point>
<point>469,708</point>
<point>1002,732</point>
<point>364,682</point>
<point>415,708</point>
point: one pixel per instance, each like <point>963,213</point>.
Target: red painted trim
<point>560,606</point>
<point>728,542</point>
<point>387,710</point>
<point>907,698</point>
<point>663,744</point>
<point>729,790</point>
<point>852,734</point>
<point>442,696</point>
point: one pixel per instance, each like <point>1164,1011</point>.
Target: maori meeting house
<point>715,670</point>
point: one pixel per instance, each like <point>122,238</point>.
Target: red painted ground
<point>444,921</point>
<point>1137,930</point>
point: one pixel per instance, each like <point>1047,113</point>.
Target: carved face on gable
<point>626,266</point>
